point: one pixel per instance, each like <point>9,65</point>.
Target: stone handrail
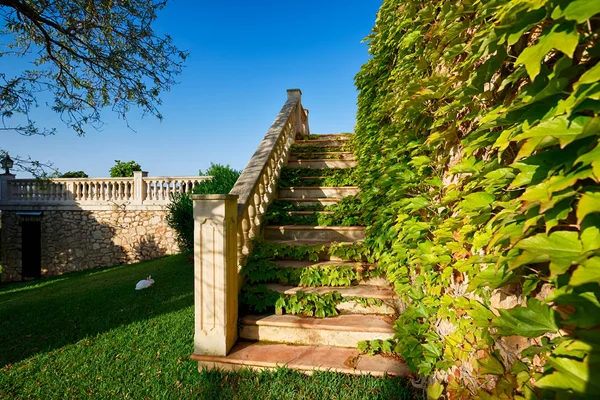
<point>224,226</point>
<point>257,185</point>
<point>140,189</point>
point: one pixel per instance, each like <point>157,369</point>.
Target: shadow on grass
<point>44,315</point>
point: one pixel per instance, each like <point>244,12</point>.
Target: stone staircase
<point>369,306</point>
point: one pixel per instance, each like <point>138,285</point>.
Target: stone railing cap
<point>214,196</point>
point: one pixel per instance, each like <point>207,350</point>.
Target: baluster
<point>258,207</point>
<point>246,234</point>
<point>111,190</point>
<point>240,243</point>
<point>262,191</point>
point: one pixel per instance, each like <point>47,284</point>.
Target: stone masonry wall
<point>82,239</point>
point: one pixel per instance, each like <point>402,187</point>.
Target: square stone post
<point>215,274</point>
<point>139,189</point>
<point>4,188</point>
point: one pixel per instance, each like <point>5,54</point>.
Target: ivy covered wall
<point>479,139</point>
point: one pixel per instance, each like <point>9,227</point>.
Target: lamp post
<point>6,163</point>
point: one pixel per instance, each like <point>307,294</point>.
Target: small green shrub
<point>180,210</point>
<point>124,169</point>
<point>180,218</point>
<point>224,177</point>
<point>74,174</point>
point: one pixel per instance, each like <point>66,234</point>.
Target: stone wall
<point>80,239</point>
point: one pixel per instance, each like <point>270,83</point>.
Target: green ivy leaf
<point>590,233</point>
<point>592,157</point>
<point>476,201</point>
<point>592,75</point>
<point>569,374</point>
<point>434,391</point>
<point>562,247</point>
<point>589,203</point>
<point>534,320</point>
<point>490,365</point>
<point>562,37</point>
<point>564,129</point>
<point>578,10</point>
<point>491,276</point>
<point>587,309</point>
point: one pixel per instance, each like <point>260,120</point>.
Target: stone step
<point>307,232</point>
<point>341,136</point>
<point>331,155</point>
<point>260,355</point>
<point>367,292</point>
<point>323,256</point>
<point>309,212</point>
<point>314,192</point>
<point>340,331</point>
<point>317,164</point>
<point>322,143</point>
<point>384,293</point>
<point>298,202</point>
<point>375,281</point>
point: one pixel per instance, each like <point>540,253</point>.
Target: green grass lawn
<point>91,335</point>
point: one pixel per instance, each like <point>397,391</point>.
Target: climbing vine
<point>346,212</point>
<point>260,299</point>
<point>478,139</point>
<point>332,177</point>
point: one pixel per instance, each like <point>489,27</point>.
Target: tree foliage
<point>180,214</point>
<point>478,138</point>
<point>124,169</point>
<point>74,174</point>
<point>86,55</point>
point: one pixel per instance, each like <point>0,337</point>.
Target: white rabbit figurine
<point>144,283</point>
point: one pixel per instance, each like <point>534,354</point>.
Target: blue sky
<point>243,57</point>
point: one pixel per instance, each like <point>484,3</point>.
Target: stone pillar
<point>4,188</point>
<point>139,189</point>
<point>292,94</point>
<point>306,129</point>
<point>215,274</point>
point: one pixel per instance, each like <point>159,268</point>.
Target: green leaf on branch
<point>534,320</point>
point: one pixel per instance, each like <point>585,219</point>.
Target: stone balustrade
<point>225,225</point>
<point>140,190</point>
